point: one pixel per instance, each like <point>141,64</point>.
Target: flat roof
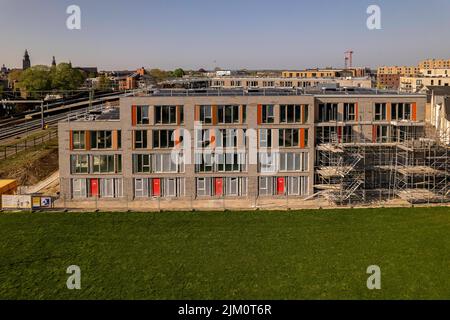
<point>343,91</point>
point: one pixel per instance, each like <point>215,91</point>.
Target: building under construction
<point>357,146</point>
<point>413,166</point>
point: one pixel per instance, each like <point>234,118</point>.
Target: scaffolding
<point>408,167</point>
<point>422,170</point>
<point>341,173</point>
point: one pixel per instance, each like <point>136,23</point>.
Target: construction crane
<point>348,59</point>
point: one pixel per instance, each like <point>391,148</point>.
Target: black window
<point>165,114</point>
<point>101,139</point>
<point>140,139</point>
<point>163,139</point>
<point>228,114</point>
<point>142,115</point>
<point>290,113</point>
<point>268,113</point>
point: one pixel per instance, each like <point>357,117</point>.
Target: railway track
<point>17,127</point>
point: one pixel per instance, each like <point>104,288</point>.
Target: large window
<point>142,115</point>
<point>79,188</point>
<point>290,113</point>
<point>203,138</point>
<point>204,186</point>
<point>268,115</point>
<point>230,162</point>
<point>297,186</point>
<point>206,114</point>
<point>326,134</point>
<point>140,139</point>
<point>268,162</point>
<point>79,140</point>
<point>228,114</point>
<point>382,134</point>
<point>165,163</point>
<point>229,186</point>
<point>101,139</point>
<point>173,187</point>
<point>349,112</point>
<point>158,163</point>
<point>204,162</point>
<point>294,162</point>
<point>111,188</point>
<point>220,162</point>
<point>165,114</point>
<point>163,139</point>
<point>328,112</point>
<point>103,164</point>
<point>141,163</point>
<point>141,188</point>
<point>401,111</point>
<point>265,138</point>
<point>289,138</point>
<point>265,186</point>
<point>79,163</point>
<point>380,112</point>
<point>159,187</point>
<point>226,138</point>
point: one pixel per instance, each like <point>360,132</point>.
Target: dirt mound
<point>37,166</point>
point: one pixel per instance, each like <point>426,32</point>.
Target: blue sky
<point>282,34</point>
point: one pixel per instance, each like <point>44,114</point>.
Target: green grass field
<point>247,255</point>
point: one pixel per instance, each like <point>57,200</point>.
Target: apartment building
<point>388,81</point>
<point>179,144</point>
<point>418,83</point>
<point>388,77</point>
<point>326,73</point>
<point>402,70</point>
<point>440,72</point>
<point>276,82</point>
<point>435,64</point>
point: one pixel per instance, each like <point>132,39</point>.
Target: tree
<point>36,78</point>
<point>14,77</point>
<point>178,73</point>
<point>104,83</point>
<point>64,77</point>
<point>159,75</point>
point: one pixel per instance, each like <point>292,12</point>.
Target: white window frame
<point>77,188</point>
<point>142,189</point>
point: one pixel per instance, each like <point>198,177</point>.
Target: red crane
<point>348,59</point>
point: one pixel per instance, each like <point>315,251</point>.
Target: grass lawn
<point>247,255</point>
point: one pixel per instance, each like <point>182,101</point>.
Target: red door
<point>156,187</point>
<point>280,186</point>
<point>219,186</point>
<point>94,187</point>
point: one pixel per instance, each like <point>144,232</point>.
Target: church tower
<point>54,62</point>
<point>26,63</point>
